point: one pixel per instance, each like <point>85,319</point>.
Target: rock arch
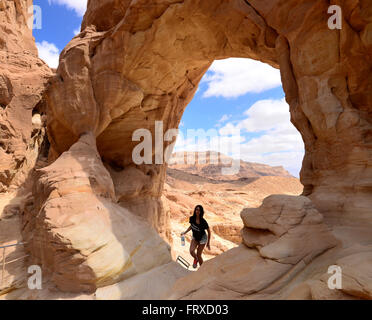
<point>142,62</point>
<point>135,62</point>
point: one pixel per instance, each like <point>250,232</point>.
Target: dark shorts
<point>203,240</point>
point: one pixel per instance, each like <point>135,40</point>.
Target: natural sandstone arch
<point>142,62</point>
<point>135,62</point>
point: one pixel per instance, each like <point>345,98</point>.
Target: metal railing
<point>14,260</point>
<point>183,261</point>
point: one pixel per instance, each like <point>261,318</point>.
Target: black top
<point>198,230</point>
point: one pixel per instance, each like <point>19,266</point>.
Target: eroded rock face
<point>76,231</point>
<point>23,78</point>
<point>15,36</point>
<point>286,229</point>
<point>320,71</point>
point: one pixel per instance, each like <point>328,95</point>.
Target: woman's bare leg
<point>193,246</point>
<point>199,253</point>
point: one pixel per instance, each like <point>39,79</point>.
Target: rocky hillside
<point>209,165</point>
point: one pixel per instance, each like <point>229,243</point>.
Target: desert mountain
<point>209,165</point>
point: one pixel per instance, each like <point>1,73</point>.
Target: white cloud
<point>79,6</point>
<point>76,31</point>
<point>209,140</point>
<point>49,53</point>
<point>279,142</point>
<point>291,161</point>
<point>234,77</point>
<point>276,141</point>
<point>266,115</point>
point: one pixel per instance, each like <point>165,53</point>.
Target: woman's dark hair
<point>201,211</point>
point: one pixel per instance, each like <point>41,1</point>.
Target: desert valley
<point>222,196</point>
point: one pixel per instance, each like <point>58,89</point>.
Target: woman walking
<point>198,225</point>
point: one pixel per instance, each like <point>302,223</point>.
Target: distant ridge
<point>209,165</point>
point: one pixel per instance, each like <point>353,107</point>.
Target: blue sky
<point>239,94</point>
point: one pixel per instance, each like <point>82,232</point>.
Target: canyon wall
<point>23,78</point>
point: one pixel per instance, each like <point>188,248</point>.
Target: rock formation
<point>77,199</point>
<point>137,62</point>
<point>23,78</point>
<point>144,63</point>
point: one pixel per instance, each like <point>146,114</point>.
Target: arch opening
<point>238,112</point>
